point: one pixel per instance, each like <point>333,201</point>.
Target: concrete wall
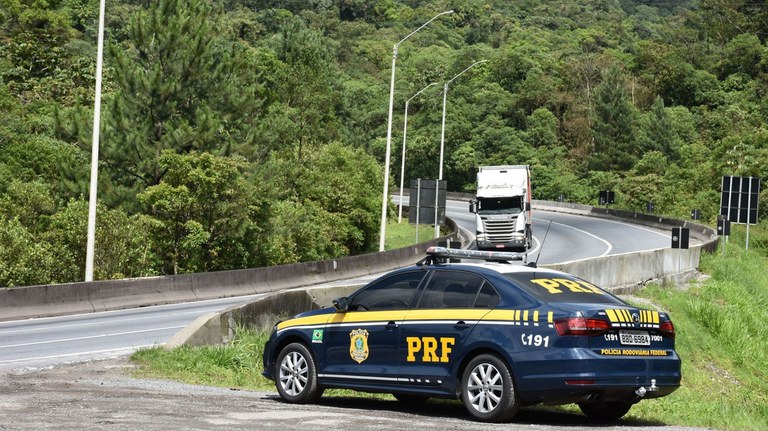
<point>61,299</point>
<point>614,271</point>
<point>618,273</point>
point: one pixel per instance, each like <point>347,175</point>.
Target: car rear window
<point>556,287</point>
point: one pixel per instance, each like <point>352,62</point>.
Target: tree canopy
<point>246,133</point>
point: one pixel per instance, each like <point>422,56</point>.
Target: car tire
<point>488,390</point>
<point>296,375</point>
<point>605,412</point>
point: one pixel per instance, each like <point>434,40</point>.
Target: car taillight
<point>667,329</point>
<point>581,326</point>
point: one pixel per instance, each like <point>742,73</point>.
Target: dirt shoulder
<point>101,395</point>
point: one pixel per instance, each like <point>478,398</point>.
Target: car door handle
<point>461,325</point>
<point>390,326</point>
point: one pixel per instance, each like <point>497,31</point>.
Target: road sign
<point>738,199</point>
<point>606,197</point>
<point>696,214</point>
<point>422,202</point>
<point>680,237</point>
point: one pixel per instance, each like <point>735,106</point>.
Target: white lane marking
<point>93,352</point>
<point>114,334</point>
<point>80,325</point>
<point>665,235</point>
<point>132,310</point>
<point>608,244</point>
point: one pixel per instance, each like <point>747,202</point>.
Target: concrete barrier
<point>618,273</point>
<point>86,297</point>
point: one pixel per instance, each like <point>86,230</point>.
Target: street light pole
<point>445,95</point>
<point>402,167</point>
<point>91,240</point>
<point>442,136</point>
<point>385,197</point>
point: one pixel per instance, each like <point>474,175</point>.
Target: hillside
<point>248,133</point>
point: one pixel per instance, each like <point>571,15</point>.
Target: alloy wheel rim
<point>485,388</point>
<point>294,373</point>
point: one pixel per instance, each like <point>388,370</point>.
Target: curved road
<point>45,342</point>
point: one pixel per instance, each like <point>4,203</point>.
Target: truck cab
<point>502,208</point>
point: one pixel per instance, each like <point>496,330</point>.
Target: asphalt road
<point>71,372</point>
<point>44,342</point>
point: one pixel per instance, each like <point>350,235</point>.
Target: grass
<point>236,365</point>
<point>404,234</point>
<point>721,337</point>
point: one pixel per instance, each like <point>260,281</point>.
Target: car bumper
<point>587,376</point>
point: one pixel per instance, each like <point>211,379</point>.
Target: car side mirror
<point>472,205</point>
<point>341,304</point>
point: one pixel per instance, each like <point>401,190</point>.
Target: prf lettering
<point>555,285</point>
<point>429,347</point>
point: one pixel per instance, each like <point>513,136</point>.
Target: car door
<point>361,344</point>
<point>434,331</point>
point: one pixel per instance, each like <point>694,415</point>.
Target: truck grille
<point>499,231</point>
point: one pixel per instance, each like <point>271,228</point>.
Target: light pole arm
<point>462,72</point>
<point>422,26</point>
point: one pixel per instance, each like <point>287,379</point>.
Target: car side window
<point>391,293</point>
<point>454,289</point>
<point>487,297</point>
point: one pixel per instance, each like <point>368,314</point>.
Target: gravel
<point>101,395</point>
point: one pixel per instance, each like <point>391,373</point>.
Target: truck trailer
<point>502,208</point>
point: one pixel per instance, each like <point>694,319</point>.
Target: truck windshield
<point>508,205</point>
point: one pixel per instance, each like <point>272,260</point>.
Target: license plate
<point>635,338</point>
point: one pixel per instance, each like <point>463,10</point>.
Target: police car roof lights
<point>437,254</point>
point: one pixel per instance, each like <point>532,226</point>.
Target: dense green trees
<point>250,132</point>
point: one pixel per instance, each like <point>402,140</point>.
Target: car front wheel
<point>605,412</point>
<point>488,391</point>
<point>296,375</point>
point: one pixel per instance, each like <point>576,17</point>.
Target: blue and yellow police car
<point>495,335</point>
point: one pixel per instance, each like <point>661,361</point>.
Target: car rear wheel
<point>488,391</point>
<point>296,375</point>
<point>605,412</point>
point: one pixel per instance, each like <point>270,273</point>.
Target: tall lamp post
<point>402,167</point>
<point>91,240</point>
<point>442,136</point>
<point>385,197</point>
<point>445,95</point>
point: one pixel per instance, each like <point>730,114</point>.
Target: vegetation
<point>720,337</point>
<point>721,340</point>
<point>243,133</point>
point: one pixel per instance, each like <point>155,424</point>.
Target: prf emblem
<point>358,345</point>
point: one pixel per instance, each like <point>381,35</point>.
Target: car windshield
<point>557,287</point>
<point>509,205</point>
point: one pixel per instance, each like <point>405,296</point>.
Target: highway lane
<point>45,342</point>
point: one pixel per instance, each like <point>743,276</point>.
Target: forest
<point>247,133</point>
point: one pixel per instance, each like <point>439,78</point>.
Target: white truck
<point>503,208</point>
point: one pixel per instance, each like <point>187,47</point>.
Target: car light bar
<point>457,253</point>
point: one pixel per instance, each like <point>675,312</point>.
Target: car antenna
<point>535,264</point>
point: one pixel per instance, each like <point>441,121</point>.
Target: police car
<point>495,335</point>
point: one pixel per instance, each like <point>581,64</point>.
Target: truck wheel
<point>488,391</point>
<point>605,412</point>
<point>296,380</point>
